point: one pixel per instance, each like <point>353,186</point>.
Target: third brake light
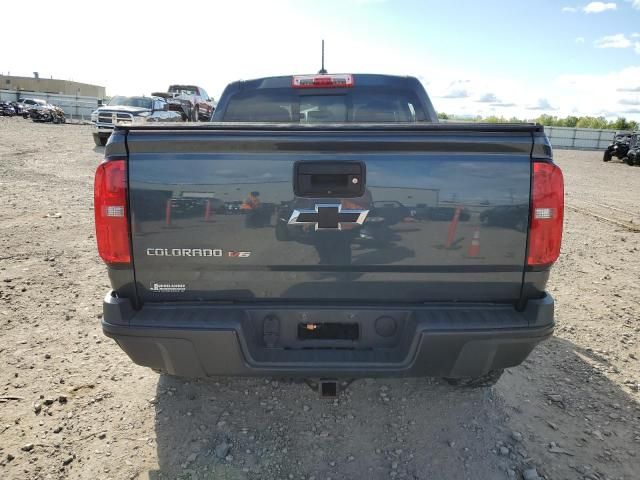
<point>322,81</point>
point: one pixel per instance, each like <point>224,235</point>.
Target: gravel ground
<point>72,405</point>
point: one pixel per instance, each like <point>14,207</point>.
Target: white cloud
<point>579,40</point>
<point>599,7</point>
<point>456,93</point>
<point>569,9</point>
<point>594,95</point>
<point>542,104</point>
<point>503,104</point>
<point>613,41</point>
<point>619,40</point>
<point>488,98</point>
<point>629,101</point>
<point>597,93</point>
<point>628,89</point>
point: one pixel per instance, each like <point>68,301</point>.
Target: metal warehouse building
<point>51,85</point>
<point>75,98</point>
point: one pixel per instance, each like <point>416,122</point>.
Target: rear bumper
<point>439,340</point>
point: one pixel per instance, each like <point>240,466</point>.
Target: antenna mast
<point>322,71</point>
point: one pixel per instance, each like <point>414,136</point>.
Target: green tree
<point>599,123</point>
<point>621,124</point>
<point>546,120</point>
<point>586,122</point>
<point>494,119</point>
<point>571,121</point>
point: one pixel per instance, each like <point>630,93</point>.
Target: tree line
<point>599,123</point>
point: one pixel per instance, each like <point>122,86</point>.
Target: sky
<point>478,57</point>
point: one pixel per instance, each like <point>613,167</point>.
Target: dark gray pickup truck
<point>328,227</point>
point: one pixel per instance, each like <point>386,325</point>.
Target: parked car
<point>47,113</point>
<point>507,216</point>
<point>222,298</point>
<point>443,214</point>
<point>19,108</point>
<point>184,107</point>
<point>202,105</point>
<point>27,104</point>
<point>620,145</point>
<point>7,109</point>
<point>129,110</point>
<point>233,208</point>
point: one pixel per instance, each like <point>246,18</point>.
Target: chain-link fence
<point>579,138</point>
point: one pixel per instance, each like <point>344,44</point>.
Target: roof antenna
<point>322,71</point>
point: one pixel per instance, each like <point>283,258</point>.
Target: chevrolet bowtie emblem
<point>327,217</point>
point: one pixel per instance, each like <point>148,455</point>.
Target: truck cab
<point>129,110</point>
<point>203,106</point>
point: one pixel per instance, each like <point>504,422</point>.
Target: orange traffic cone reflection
<point>474,248</point>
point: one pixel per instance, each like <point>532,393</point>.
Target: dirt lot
<point>72,405</point>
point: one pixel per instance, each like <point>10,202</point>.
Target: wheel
<point>629,161</point>
<point>55,119</point>
<point>487,380</point>
<point>606,157</point>
<point>100,140</point>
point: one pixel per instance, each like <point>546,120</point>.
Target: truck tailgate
<point>215,216</point>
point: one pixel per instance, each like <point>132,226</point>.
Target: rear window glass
<point>183,89</point>
<point>323,109</point>
<point>260,106</point>
<point>142,102</point>
<point>360,105</point>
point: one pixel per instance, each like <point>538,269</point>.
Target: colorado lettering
<point>195,252</point>
<point>184,252</point>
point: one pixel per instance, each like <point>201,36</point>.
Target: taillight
<point>322,81</point>
<point>110,208</point>
<point>545,230</point>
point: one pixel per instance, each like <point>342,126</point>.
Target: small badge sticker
<point>168,287</point>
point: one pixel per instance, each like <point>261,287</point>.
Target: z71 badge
<point>238,254</point>
<point>195,252</point>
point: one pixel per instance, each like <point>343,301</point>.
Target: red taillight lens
<point>110,208</point>
<point>322,81</point>
<point>545,230</point>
